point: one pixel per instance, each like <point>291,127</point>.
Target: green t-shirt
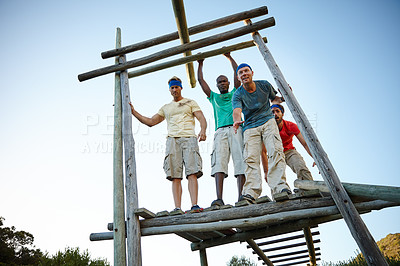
<point>222,105</point>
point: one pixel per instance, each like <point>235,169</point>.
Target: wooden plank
<point>145,213</point>
<point>259,252</point>
<point>289,246</point>
<point>118,182</point>
<point>297,263</point>
<point>180,17</point>
<point>187,59</point>
<point>291,253</point>
<point>189,237</point>
<point>260,221</point>
<point>220,37</point>
<point>192,30</point>
<point>357,227</point>
<point>283,239</point>
<point>294,258</point>
<point>237,213</point>
<point>132,202</point>
<point>388,193</point>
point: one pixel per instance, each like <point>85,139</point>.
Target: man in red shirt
<point>287,130</point>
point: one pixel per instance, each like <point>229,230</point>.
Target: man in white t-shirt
<point>181,148</point>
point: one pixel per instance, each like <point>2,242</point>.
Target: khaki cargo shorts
<point>226,142</point>
<point>179,152</point>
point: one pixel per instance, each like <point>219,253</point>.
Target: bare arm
<point>203,125</point>
<point>234,65</point>
<point>236,118</point>
<point>201,80</point>
<point>304,143</point>
<point>154,120</point>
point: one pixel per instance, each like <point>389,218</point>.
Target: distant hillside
<point>390,245</point>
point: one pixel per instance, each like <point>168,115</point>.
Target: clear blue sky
<point>340,57</point>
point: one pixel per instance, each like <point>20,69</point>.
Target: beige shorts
<point>226,142</point>
<point>181,152</point>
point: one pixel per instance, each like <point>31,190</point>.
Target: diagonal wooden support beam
<point>180,17</point>
<point>346,207</point>
<point>259,252</point>
<point>310,246</point>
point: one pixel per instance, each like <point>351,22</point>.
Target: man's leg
<point>219,184</point>
<point>276,158</point>
<point>219,162</point>
<point>251,155</point>
<point>236,147</point>
<point>240,179</point>
<point>177,191</point>
<point>193,189</point>
<point>296,162</point>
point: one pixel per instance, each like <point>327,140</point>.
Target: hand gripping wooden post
<point>342,200</point>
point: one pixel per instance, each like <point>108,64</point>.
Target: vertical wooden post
<point>132,203</point>
<point>346,207</point>
<point>119,212</point>
<point>180,17</point>
<point>203,257</point>
<point>259,252</point>
<point>310,245</point>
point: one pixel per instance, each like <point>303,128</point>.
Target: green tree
<point>16,247</point>
<point>72,257</point>
<point>242,261</point>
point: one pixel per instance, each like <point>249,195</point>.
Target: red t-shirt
<point>287,132</point>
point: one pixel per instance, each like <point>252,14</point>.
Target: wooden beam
<point>203,257</point>
<point>252,222</point>
<point>180,17</point>
<point>132,202</point>
<point>220,37</point>
<point>118,183</point>
<point>184,60</point>
<point>310,245</point>
<point>259,252</point>
<point>357,227</point>
<point>192,30</point>
<point>388,193</point>
<point>239,213</point>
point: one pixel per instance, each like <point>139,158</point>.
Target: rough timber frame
<point>211,229</point>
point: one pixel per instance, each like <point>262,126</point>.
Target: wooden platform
<point>227,224</point>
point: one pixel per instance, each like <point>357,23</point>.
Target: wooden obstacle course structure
<point>243,223</point>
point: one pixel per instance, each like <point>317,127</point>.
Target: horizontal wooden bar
<point>291,253</point>
<point>293,258</point>
<point>302,262</point>
<point>289,246</point>
<point>192,30</point>
<point>269,22</point>
<point>388,193</point>
<point>184,60</point>
<point>101,236</point>
<point>283,239</point>
<point>252,222</point>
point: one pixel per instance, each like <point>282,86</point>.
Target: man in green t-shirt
<point>226,142</point>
